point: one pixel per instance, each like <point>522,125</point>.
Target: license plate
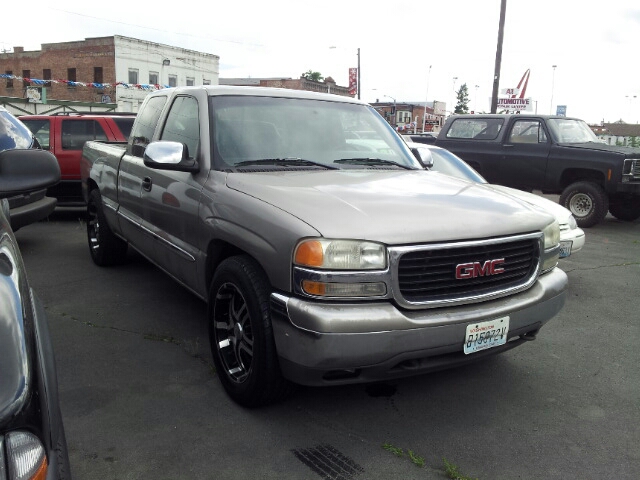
<point>565,248</point>
<point>483,335</point>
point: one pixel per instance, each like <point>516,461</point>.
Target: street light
<point>553,79</point>
<point>424,117</point>
<point>475,102</point>
<point>455,79</point>
<point>394,108</point>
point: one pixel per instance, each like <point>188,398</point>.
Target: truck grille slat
<point>429,275</point>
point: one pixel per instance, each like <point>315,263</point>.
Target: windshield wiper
<point>371,161</point>
<point>286,162</point>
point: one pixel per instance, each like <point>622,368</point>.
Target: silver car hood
<point>392,207</point>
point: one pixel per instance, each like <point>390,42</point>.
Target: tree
<point>311,75</point>
<point>463,99</point>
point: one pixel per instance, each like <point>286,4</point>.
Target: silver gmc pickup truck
<point>326,252</point>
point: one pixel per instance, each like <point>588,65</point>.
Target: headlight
<point>26,457</point>
<point>571,221</point>
<point>340,255</point>
<point>551,240</point>
<point>551,235</point>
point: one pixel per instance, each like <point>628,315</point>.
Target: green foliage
<point>398,452</point>
<point>416,459</point>
<point>453,473</point>
<point>463,99</point>
<point>634,141</point>
<point>311,75</point>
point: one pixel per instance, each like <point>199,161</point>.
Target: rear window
<point>124,124</point>
<point>476,128</point>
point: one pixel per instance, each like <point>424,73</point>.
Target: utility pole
<point>496,74</point>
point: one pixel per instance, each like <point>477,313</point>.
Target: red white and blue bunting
<point>99,86</point>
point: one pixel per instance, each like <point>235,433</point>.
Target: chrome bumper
<point>322,343</point>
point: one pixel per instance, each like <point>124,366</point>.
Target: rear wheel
<point>106,249</point>
<point>627,210</point>
<point>587,201</point>
<point>241,334</point>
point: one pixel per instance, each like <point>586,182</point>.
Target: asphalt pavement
<point>140,397</point>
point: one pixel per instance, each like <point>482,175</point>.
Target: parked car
<point>312,247</point>
<point>24,207</point>
<point>64,135</point>
<point>426,137</point>
<point>32,438</point>
<point>571,236</point>
<point>553,154</point>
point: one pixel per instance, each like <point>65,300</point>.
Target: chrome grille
<point>428,274</point>
<point>635,168</point>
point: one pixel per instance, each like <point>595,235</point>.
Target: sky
<point>409,51</point>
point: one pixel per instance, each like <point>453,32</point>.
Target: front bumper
<point>322,343</point>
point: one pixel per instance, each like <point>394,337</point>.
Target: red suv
<point>64,134</point>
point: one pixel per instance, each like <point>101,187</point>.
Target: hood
<point>392,207</point>
<point>628,152</point>
<point>558,211</point>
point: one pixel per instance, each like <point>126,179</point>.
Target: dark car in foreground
<point>34,205</point>
<point>32,438</point>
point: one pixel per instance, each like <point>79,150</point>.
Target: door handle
<point>146,184</point>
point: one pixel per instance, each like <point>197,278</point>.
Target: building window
<point>133,76</point>
<point>26,74</point>
<point>190,82</point>
<point>71,76</point>
<point>97,75</point>
<point>173,80</point>
<point>9,79</point>
<point>206,82</point>
<point>46,75</point>
<point>153,78</point>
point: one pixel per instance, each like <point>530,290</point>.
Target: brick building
<point>403,115</point>
<point>105,69</point>
<point>328,86</point>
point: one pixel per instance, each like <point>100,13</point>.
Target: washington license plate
<point>483,335</point>
<point>565,248</point>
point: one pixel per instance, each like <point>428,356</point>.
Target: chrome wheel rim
<point>93,227</point>
<point>581,205</point>
<point>233,332</point>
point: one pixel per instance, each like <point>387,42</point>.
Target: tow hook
<point>530,336</point>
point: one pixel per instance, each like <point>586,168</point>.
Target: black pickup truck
<point>557,155</point>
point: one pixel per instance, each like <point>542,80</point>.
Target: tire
<point>626,210</point>
<point>105,248</point>
<point>587,201</point>
<point>241,335</point>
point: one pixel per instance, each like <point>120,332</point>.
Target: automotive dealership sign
<point>518,104</point>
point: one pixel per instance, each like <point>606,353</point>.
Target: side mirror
<point>424,156</point>
<point>27,170</point>
<point>165,155</point>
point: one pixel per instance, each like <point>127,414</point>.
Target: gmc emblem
<point>477,269</point>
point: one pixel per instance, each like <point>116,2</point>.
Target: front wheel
<point>241,334</point>
<point>587,201</point>
<point>105,248</point>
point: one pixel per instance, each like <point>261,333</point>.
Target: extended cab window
<point>183,125</point>
<point>76,132</point>
<point>527,131</point>
<point>145,125</point>
<point>479,129</point>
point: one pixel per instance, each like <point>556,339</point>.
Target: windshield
<point>267,132</point>
<point>568,130</point>
<point>13,133</point>
<point>446,162</point>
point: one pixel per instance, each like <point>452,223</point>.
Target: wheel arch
<point>573,175</point>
